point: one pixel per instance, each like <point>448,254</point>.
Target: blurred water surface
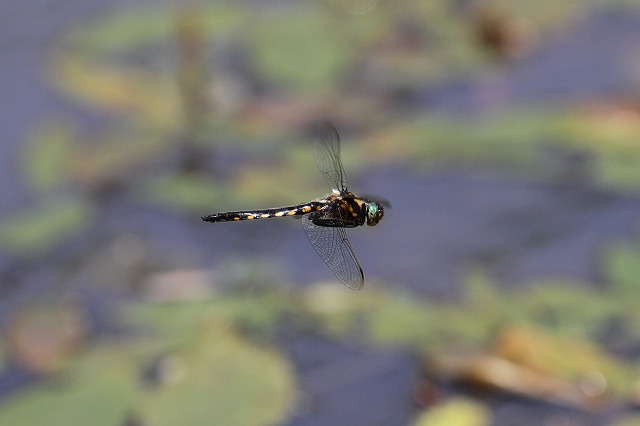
<point>509,153</point>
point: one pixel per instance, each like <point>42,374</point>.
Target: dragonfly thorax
<point>375,212</point>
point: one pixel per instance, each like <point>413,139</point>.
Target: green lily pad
<point>457,412</point>
<point>39,229</point>
<point>99,390</point>
<point>221,379</point>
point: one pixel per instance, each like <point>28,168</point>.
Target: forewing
<point>332,245</point>
<point>327,150</point>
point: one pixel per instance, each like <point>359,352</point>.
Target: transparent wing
<point>332,245</point>
<point>327,150</point>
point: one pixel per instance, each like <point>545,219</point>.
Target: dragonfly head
<point>375,212</point>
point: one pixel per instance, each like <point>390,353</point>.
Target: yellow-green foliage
<point>457,412</point>
<point>40,229</point>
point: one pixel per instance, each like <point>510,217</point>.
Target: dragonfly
<point>326,219</point>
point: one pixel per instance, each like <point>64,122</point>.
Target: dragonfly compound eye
<point>375,212</point>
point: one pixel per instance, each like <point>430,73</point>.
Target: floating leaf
<point>41,228</point>
<point>98,391</point>
<point>221,379</point>
<point>49,154</point>
<point>457,412</point>
<point>623,268</point>
<point>183,192</point>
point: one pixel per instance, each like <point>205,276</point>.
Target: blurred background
<point>501,288</point>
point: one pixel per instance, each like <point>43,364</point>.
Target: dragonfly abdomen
<point>297,210</point>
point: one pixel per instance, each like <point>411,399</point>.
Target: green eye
<point>374,213</point>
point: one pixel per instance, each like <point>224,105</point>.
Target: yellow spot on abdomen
<point>264,215</point>
<point>236,218</point>
<point>250,217</point>
<point>291,213</point>
<point>279,214</point>
<point>306,209</point>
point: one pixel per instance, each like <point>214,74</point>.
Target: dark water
<point>518,230</point>
<point>349,383</point>
<point>595,56</point>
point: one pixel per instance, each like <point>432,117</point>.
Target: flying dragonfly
<point>326,219</point>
